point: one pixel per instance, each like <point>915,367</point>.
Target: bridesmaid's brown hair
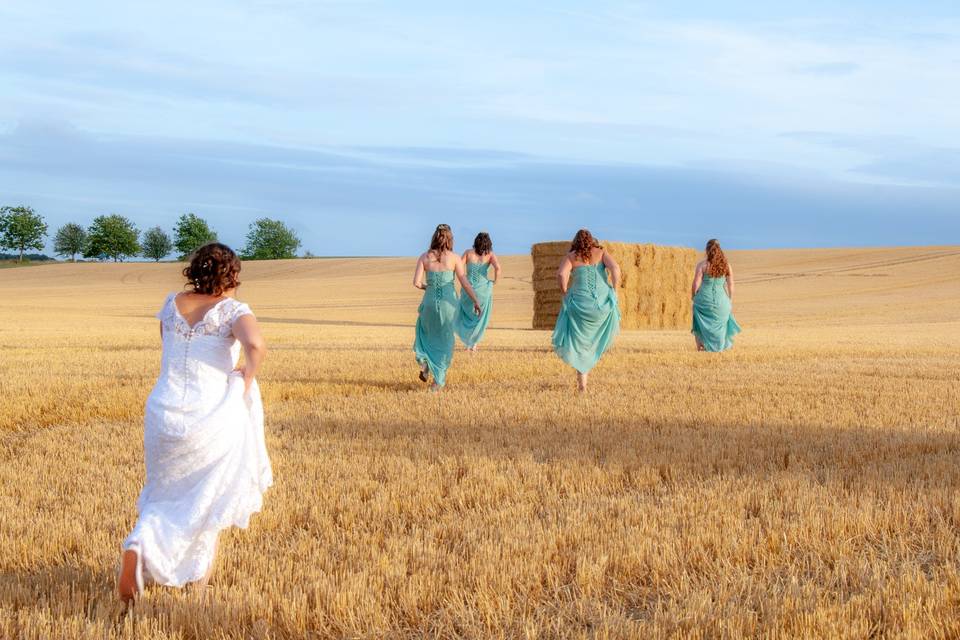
<point>482,244</point>
<point>441,241</point>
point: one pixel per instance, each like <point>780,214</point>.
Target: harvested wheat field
<point>803,485</point>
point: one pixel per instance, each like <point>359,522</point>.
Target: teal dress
<point>434,340</point>
<point>589,318</point>
<point>713,322</point>
<point>469,326</point>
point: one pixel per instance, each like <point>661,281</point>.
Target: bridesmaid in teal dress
<point>478,260</point>
<point>435,273</point>
<point>589,318</point>
<point>713,324</point>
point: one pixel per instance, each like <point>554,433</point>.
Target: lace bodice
<point>203,353</point>
<point>217,321</point>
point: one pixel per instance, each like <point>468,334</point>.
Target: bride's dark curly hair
<point>583,245</point>
<point>213,269</point>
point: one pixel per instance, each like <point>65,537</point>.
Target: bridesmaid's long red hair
<point>583,245</point>
<point>717,265</point>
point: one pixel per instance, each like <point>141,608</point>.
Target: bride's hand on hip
<point>247,380</point>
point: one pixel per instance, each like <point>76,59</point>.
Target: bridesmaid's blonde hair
<point>717,265</point>
<point>442,240</point>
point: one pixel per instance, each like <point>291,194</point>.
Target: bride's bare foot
<point>127,587</point>
<point>203,582</point>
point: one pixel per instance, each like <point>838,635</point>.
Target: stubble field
<point>803,485</point>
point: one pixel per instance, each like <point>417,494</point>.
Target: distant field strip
<point>866,266</point>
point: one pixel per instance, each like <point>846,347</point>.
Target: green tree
<point>191,233</point>
<point>156,244</point>
<point>70,240</point>
<point>270,240</point>
<point>114,237</point>
<point>21,229</point>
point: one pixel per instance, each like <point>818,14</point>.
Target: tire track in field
<point>845,269</point>
<point>133,277</point>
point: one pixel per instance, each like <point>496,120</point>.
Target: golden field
<point>803,485</point>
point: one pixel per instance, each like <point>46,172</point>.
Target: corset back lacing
<point>477,272</point>
<point>590,282</point>
<point>436,284</point>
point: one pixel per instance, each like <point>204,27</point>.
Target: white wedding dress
<point>206,458</point>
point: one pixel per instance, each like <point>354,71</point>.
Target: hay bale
<point>654,291</point>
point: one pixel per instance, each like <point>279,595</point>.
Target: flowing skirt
<point>468,325</point>
<point>434,339</point>
<point>713,322</point>
<point>585,329</point>
<point>205,473</point>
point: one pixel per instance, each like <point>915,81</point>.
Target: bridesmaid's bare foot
<point>424,370</point>
<point>435,388</point>
<point>127,580</point>
<point>581,382</point>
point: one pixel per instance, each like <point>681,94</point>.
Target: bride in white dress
<point>206,459</point>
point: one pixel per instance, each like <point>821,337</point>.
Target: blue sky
<point>364,123</point>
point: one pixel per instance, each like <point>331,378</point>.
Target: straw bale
<point>654,291</point>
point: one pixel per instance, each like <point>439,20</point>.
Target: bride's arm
<point>247,331</point>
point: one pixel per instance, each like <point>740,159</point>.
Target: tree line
<point>115,237</point>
